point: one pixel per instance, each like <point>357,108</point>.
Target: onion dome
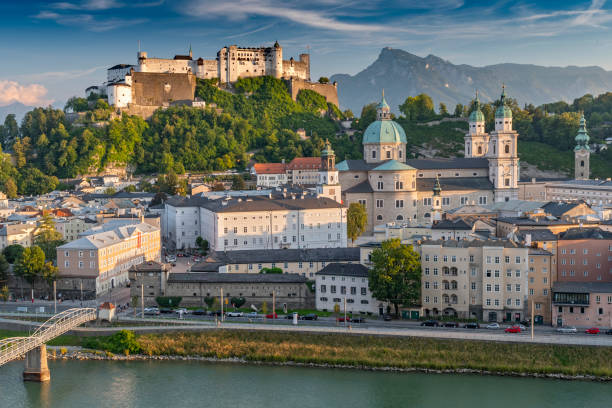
<point>503,111</point>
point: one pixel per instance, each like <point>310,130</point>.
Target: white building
<point>270,174</point>
<point>338,283</point>
<point>256,222</point>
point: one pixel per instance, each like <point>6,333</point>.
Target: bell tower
<point>476,139</point>
<point>436,202</point>
<point>329,183</point>
<point>582,152</point>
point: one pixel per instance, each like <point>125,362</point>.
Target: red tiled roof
<point>269,168</point>
<point>305,163</point>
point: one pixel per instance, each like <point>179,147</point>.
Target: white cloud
<point>88,21</point>
<point>31,95</point>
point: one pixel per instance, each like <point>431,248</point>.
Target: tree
<point>203,245</point>
<point>264,308</point>
<point>110,191</point>
<point>395,276</point>
<point>442,110</point>
<point>158,198</point>
<point>12,253</point>
<point>324,80</point>
<point>458,111</point>
<point>9,132</point>
<point>31,264</point>
<point>10,188</point>
<point>238,183</point>
<point>4,293</point>
<point>47,237</point>
<point>418,108</point>
<point>218,187</point>
<point>238,302</point>
<point>356,220</point>
<point>4,269</point>
<point>210,301</point>
<point>274,270</point>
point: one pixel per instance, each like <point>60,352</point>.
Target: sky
<point>52,50</point>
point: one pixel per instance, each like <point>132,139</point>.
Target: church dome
<point>582,138</point>
<point>384,131</point>
<point>503,111</point>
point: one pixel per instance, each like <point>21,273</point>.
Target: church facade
<point>395,189</point>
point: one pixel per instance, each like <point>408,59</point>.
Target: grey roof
<point>557,209</point>
<point>339,269</point>
<point>150,266</point>
<point>220,258</point>
<point>530,222</point>
<point>356,165</point>
<point>470,244</point>
<point>539,251</point>
<point>582,183</point>
<point>255,203</point>
<point>456,224</point>
<point>363,187</point>
<point>585,233</point>
<point>454,163</point>
<point>207,277</point>
<point>582,287</point>
<point>538,235</point>
<point>455,183</point>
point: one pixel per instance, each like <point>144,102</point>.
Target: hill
<point>403,74</point>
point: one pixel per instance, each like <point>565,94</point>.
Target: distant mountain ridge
<point>16,108</point>
<point>403,74</point>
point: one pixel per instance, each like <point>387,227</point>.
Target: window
<point>373,154</point>
<point>333,288</point>
<point>399,203</point>
<point>343,290</point>
<point>380,185</point>
<point>427,201</point>
<point>482,200</point>
<point>517,302</point>
<point>445,200</point>
<point>517,260</point>
<point>80,264</point>
<point>497,287</point>
<point>488,302</point>
<point>323,288</point>
<point>488,287</point>
<point>399,185</point>
<point>353,290</point>
<point>363,291</point>
<point>473,285</point>
<point>435,258</point>
<point>471,258</point>
<point>379,203</point>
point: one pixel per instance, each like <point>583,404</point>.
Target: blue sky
<point>52,50</point>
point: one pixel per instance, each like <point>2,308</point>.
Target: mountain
<point>402,74</point>
<point>17,108</point>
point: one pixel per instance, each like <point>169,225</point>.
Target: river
<point>89,384</point>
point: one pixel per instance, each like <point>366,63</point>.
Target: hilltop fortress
<point>156,82</point>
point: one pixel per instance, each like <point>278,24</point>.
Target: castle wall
<point>297,69</point>
<point>157,89</point>
<point>329,91</point>
<point>162,65</point>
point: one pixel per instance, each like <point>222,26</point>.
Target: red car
<point>341,319</point>
<point>272,316</point>
<point>592,330</point>
<point>513,329</point>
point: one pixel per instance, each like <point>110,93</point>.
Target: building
<point>582,152</point>
<point>486,280</point>
<point>100,261</point>
<point>592,192</point>
<point>395,189</point>
<point>71,228</point>
<point>287,291</point>
<point>345,285</point>
<point>508,226</point>
<point>256,222</point>
<point>304,170</point>
<point>542,271</point>
<point>306,262</point>
<point>20,234</point>
<point>153,276</point>
<point>270,174</point>
<point>457,228</point>
<point>582,304</point>
<point>584,255</point>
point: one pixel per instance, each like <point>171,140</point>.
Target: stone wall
<point>329,91</point>
<point>157,89</point>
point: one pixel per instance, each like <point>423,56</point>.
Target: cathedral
<point>396,189</point>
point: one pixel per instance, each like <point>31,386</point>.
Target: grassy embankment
<point>364,351</point>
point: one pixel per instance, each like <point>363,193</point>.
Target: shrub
<point>168,301</point>
<point>238,301</point>
<point>63,350</point>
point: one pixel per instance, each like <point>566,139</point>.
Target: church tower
<point>476,140</point>
<point>436,202</point>
<point>582,152</point>
<point>502,154</point>
<point>329,183</point>
<point>384,139</point>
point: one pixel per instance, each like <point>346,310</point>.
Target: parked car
<point>472,325</point>
<point>170,258</point>
<point>234,314</point>
<point>252,315</point>
<point>271,316</point>
<point>151,311</point>
<point>566,329</point>
<point>342,319</point>
<point>215,313</point>
<point>199,312</point>
<point>310,316</point>
<point>387,317</point>
<point>526,323</point>
<point>166,310</point>
<point>493,326</point>
<point>592,330</point>
<point>513,329</point>
<point>430,323</point>
<point>609,331</point>
<point>358,319</point>
<point>451,324</point>
<point>289,316</point>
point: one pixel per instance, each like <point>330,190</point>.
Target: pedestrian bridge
<point>15,347</point>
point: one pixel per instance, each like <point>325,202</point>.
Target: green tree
<point>324,80</point>
<point>418,108</point>
<point>203,245</point>
<point>9,132</point>
<point>238,302</point>
<point>442,110</point>
<point>274,270</point>
<point>76,104</point>
<point>158,198</point>
<point>47,237</point>
<point>4,269</point>
<point>356,220</point>
<point>210,301</point>
<point>10,188</point>
<point>395,276</point>
<point>238,183</point>
<point>368,115</point>
<point>458,110</point>
<point>4,293</point>
<point>12,253</point>
<point>110,191</point>
<point>31,264</point>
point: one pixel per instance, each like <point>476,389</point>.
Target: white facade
<point>119,95</point>
<point>271,180</point>
<point>331,290</point>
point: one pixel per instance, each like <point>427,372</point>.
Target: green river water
<point>89,384</point>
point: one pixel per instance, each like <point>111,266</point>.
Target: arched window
<point>454,299</point>
<point>445,271</point>
<point>507,148</point>
<point>453,284</point>
<point>446,285</point>
<point>379,217</point>
<point>453,271</point>
<point>400,154</point>
<point>581,163</point>
<point>479,149</point>
<point>427,215</point>
<point>399,218</point>
<point>445,299</point>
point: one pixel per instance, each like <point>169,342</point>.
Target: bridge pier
<point>36,368</point>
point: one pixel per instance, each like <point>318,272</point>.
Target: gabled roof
<point>456,224</point>
<point>558,209</point>
<point>363,187</point>
<point>341,269</point>
<point>393,165</point>
<point>454,163</point>
<point>269,168</point>
<point>305,163</point>
<point>585,233</point>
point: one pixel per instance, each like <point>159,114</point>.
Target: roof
<point>339,269</point>
<point>355,165</point>
<point>455,183</point>
<point>583,287</point>
<point>539,251</point>
<point>363,187</point>
<point>16,229</point>
<point>269,168</point>
<point>584,183</point>
<point>256,203</point>
<point>277,255</point>
<point>526,221</point>
<point>393,165</point>
<point>150,266</point>
<point>300,163</point>
<point>452,163</point>
<point>538,235</point>
<point>456,224</point>
<point>207,277</point>
<point>585,233</point>
<point>557,209</point>
<point>108,238</point>
<point>384,131</point>
<point>519,206</point>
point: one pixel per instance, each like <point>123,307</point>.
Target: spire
<point>503,111</point>
<point>190,53</point>
<point>582,138</point>
<point>383,111</point>
<point>476,115</point>
<point>437,189</point>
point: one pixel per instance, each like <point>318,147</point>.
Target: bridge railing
<point>57,325</point>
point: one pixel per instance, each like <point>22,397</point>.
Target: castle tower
<point>502,154</point>
<point>582,152</point>
<point>277,61</point>
<point>329,182</point>
<point>436,202</point>
<point>476,140</point>
<point>384,139</point>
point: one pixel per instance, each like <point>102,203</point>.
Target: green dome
<point>502,110</point>
<point>582,138</point>
<point>476,115</point>
<point>384,131</point>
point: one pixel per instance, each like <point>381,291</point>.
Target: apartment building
<point>103,258</point>
<point>584,255</point>
<point>582,304</point>
<point>306,262</point>
<point>486,280</point>
<point>345,285</point>
<point>256,222</point>
<point>71,228</point>
<point>21,234</point>
<point>541,272</point>
<point>270,174</point>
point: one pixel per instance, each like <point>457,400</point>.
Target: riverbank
<point>356,351</point>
